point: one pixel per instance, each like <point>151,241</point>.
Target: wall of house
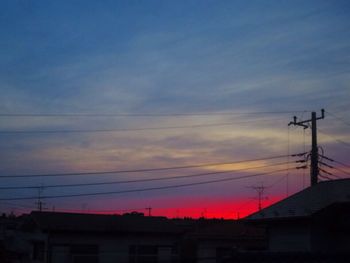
<point>210,251</point>
<point>111,249</point>
<point>331,235</point>
<point>289,238</point>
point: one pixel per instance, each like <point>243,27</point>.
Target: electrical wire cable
<point>16,205</point>
<point>336,176</point>
<point>138,180</point>
<point>277,181</point>
<point>142,189</point>
<point>338,162</point>
<point>336,139</point>
<point>55,115</point>
<point>341,163</point>
<point>9,132</point>
<point>341,170</point>
<point>90,211</point>
<point>142,169</point>
<point>338,118</point>
<point>325,177</point>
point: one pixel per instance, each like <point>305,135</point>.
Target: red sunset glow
<point>181,111</point>
<point>226,210</point>
<point>191,208</point>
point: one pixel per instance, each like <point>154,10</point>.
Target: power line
<point>16,205</point>
<point>338,118</point>
<point>325,177</point>
<point>336,168</point>
<point>341,170</point>
<point>4,132</point>
<point>277,181</point>
<point>101,210</point>
<point>336,176</point>
<point>142,189</point>
<point>336,139</point>
<point>143,169</point>
<point>138,180</point>
<point>55,115</point>
<point>341,163</point>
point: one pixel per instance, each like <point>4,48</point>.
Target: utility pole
<point>40,205</point>
<point>260,191</point>
<point>39,202</point>
<point>314,170</point>
<point>204,213</point>
<point>149,211</point>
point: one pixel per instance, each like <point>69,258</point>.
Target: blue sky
<point>168,57</point>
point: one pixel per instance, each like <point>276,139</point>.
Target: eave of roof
<point>307,201</point>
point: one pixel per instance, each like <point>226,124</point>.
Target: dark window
<point>38,250</point>
<point>175,249</point>
<point>84,253</point>
<point>84,249</point>
<point>143,254</point>
<point>147,250</point>
<point>223,252</point>
<point>85,259</point>
<point>132,249</point>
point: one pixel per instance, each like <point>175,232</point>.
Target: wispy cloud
<point>176,58</point>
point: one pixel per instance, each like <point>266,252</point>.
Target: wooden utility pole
<point>314,170</point>
<point>40,203</point>
<point>149,209</point>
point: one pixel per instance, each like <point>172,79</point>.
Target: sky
<point>154,84</point>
